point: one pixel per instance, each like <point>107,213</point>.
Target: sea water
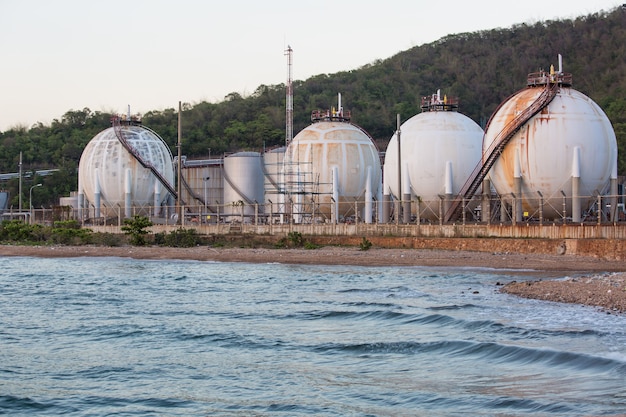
<point>116,336</point>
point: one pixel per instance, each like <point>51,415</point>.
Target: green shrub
<point>310,245</point>
<point>107,239</point>
<point>135,228</point>
<point>365,244</point>
<point>159,238</point>
<point>182,238</point>
<point>63,236</point>
<point>18,231</point>
<point>296,239</point>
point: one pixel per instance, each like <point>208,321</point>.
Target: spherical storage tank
<point>440,149</point>
<point>332,159</point>
<point>110,174</point>
<point>567,152</point>
<point>243,185</point>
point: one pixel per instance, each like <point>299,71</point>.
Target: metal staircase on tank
<point>119,133</point>
<point>491,155</point>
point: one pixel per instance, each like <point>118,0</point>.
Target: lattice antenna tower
<point>289,99</point>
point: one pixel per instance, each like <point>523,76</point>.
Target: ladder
<point>491,155</point>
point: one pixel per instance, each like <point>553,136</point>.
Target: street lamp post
<point>30,201</point>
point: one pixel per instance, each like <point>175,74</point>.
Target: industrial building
<point>547,153</point>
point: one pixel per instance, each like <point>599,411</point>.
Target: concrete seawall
<point>599,241</point>
<point>609,249</point>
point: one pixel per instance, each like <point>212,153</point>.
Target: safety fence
<point>586,217</point>
<point>494,211</point>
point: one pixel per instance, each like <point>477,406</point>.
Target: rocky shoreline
<point>593,281</point>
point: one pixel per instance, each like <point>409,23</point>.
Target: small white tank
<point>243,185</point>
<point>109,173</point>
<point>272,168</point>
<point>440,149</point>
<point>570,138</point>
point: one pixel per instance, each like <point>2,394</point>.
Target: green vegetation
<point>295,240</point>
<point>65,233</point>
<point>365,244</point>
<point>135,228</point>
<point>481,68</point>
<point>181,238</point>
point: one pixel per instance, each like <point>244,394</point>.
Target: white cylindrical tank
<point>110,174</point>
<point>328,146</point>
<point>570,138</point>
<point>440,149</point>
<point>243,185</point>
<point>272,168</point>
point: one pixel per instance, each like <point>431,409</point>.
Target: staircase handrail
<point>119,133</point>
<point>497,146</point>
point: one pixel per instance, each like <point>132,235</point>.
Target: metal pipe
<point>399,169</point>
<point>97,194</point>
<point>406,196</point>
<point>368,197</point>
<point>180,163</point>
<point>576,211</point>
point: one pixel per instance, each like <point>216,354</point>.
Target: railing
<point>119,133</point>
<point>479,210</point>
<point>497,146</point>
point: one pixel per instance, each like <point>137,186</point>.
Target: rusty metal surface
<point>546,146</point>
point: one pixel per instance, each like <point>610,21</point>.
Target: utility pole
<point>399,169</point>
<point>180,163</point>
<point>20,185</point>
<point>289,98</point>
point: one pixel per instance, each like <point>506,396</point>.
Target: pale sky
<point>60,55</point>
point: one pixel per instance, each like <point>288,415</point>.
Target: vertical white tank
<point>243,185</point>
<point>568,147</point>
<point>440,149</point>
<point>272,168</point>
<point>108,172</point>
<point>330,159</point>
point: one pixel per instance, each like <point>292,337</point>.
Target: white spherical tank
<point>243,185</point>
<point>333,159</point>
<point>109,173</point>
<point>571,141</point>
<point>440,149</point>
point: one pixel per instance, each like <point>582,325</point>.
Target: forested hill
<point>481,68</point>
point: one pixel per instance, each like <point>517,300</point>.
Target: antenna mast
<point>289,101</point>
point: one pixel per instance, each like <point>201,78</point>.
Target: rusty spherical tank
<point>433,142</point>
<point>108,168</point>
<point>332,146</point>
<point>570,137</point>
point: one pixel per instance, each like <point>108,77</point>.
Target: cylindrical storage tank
<point>272,168</point>
<point>440,149</point>
<point>110,174</point>
<point>568,148</point>
<point>324,148</point>
<point>243,186</point>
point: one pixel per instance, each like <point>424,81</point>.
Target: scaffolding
<point>294,191</point>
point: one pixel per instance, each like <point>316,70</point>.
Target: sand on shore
<point>594,281</point>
